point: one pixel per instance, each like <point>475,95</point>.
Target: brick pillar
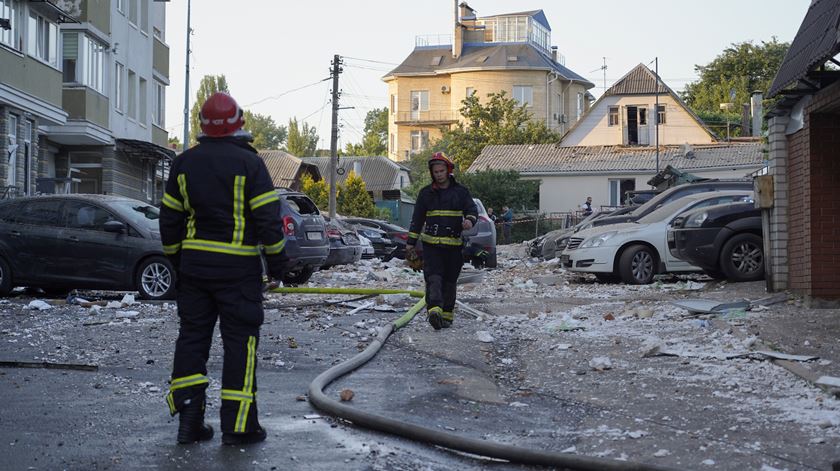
<point>824,205</point>
<point>776,241</point>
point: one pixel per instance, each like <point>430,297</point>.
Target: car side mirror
<point>116,227</point>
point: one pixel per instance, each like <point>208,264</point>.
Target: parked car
<point>383,247</point>
<point>636,251</point>
<point>397,234</point>
<point>554,242</point>
<point>675,193</point>
<point>64,242</point>
<point>368,251</point>
<point>305,232</point>
<point>345,247</point>
<point>724,240</point>
<point>639,197</point>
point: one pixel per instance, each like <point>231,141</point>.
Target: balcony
<point>426,118</point>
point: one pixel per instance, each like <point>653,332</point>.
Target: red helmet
<point>220,115</point>
<point>440,157</point>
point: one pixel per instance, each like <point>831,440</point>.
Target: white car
<point>367,247</point>
<point>634,252</point>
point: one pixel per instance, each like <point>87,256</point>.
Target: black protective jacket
<point>439,214</point>
<point>218,207</point>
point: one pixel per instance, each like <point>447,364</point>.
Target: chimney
<point>554,54</point>
<point>745,119</point>
<point>458,38</point>
<point>756,100</point>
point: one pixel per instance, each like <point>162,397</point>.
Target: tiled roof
<point>492,56</point>
<point>282,166</point>
<point>639,81</point>
<point>549,159</point>
<point>816,41</point>
<point>379,173</point>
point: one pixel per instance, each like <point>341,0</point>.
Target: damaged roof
<point>284,168</point>
<point>550,159</point>
<point>379,173</point>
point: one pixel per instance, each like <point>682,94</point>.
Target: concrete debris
<point>128,300</point>
<point>708,462</point>
<point>127,314</point>
<point>39,305</point>
<point>706,306</point>
<point>661,453</point>
<point>113,305</point>
<point>785,356</point>
<point>600,363</point>
<point>484,336</point>
<point>362,307</point>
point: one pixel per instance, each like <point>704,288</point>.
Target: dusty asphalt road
<point>541,381</point>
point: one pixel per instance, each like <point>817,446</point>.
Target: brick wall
<point>776,238</point>
<point>814,197</point>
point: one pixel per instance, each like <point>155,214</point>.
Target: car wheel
<point>637,265</point>
<point>5,278</point>
<point>299,276</point>
<point>742,258</point>
<point>156,279</point>
<point>607,277</point>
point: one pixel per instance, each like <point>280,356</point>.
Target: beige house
<point>624,115</point>
<point>510,52</point>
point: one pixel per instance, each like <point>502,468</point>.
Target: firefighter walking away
<point>444,208</point>
<point>218,208</point>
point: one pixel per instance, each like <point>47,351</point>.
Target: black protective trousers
<point>441,267</point>
<point>238,306</point>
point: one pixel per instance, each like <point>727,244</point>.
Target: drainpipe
<point>548,82</point>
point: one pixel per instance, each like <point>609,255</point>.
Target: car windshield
<point>481,210</point>
<point>138,213</point>
<point>681,204</point>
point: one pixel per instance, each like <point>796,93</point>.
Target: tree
<point>209,85</point>
<point>353,199</point>
<point>267,134</point>
<point>301,140</point>
<point>501,120</point>
<point>317,191</point>
<point>174,143</point>
<point>375,140</point>
<point>497,188</point>
<point>742,68</point>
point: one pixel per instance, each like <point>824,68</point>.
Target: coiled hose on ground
<point>514,454</point>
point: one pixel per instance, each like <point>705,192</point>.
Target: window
<point>144,15</point>
<point>83,61</point>
<point>157,33</point>
<point>11,175</point>
<point>159,104</point>
<point>132,11</point>
<point>86,216</point>
<point>393,104</point>
<point>391,147</point>
<point>43,39</point>
<point>579,109</point>
<point>142,117</point>
<point>523,94</point>
<point>419,102</point>
<point>132,94</point>
<point>613,119</point>
<point>121,6</point>
<point>10,9</point>
<point>660,114</point>
<point>642,116</point>
<point>470,91</point>
<point>119,92</point>
<point>40,213</point>
<point>618,188</point>
<point>419,141</point>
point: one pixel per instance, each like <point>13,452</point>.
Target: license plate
<point>314,236</point>
<point>671,237</point>
<point>564,259</point>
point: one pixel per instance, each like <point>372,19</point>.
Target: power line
<point>274,97</point>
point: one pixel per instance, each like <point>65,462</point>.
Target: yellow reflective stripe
<point>448,315</point>
<point>238,209</point>
<point>187,381</point>
<point>171,249</point>
<point>263,199</point>
<point>182,186</point>
<point>172,203</point>
<point>219,247</point>
<point>426,238</point>
<point>170,401</point>
<point>444,212</point>
<point>234,395</point>
<point>413,235</point>
<point>275,249</point>
<point>248,386</point>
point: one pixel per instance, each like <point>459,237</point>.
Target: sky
<point>275,53</point>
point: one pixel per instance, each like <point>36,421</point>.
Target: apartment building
<point>509,52</point>
<point>82,97</point>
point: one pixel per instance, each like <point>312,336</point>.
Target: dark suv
<point>307,245</point>
<point>61,242</point>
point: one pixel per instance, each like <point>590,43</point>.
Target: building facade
<point>510,53</point>
<point>85,83</point>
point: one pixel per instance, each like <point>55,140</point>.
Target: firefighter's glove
<point>413,259</point>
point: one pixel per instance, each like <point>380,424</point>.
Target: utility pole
<point>656,113</point>
<point>336,70</point>
<point>186,144</point>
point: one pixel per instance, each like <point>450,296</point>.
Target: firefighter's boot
<point>192,428</point>
<point>446,319</point>
<point>244,438</point>
<point>435,317</point>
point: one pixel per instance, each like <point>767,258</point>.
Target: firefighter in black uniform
<point>219,207</point>
<point>444,208</point>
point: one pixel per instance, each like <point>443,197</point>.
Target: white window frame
<point>144,15</point>
<point>27,155</point>
<point>419,102</point>
<point>393,104</point>
<point>131,96</point>
<point>11,9</point>
<point>119,87</point>
<point>159,105</point>
<point>524,94</point>
<point>42,39</point>
<point>419,140</point>
<point>132,12</point>
<point>613,112</point>
<point>89,61</point>
<point>579,106</point>
<point>11,169</point>
<point>661,117</point>
<point>143,102</point>
<point>121,6</point>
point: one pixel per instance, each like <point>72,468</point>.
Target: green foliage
<point>267,134</point>
<point>742,67</point>
<point>174,143</point>
<point>375,140</point>
<point>500,120</point>
<point>497,188</point>
<point>318,191</point>
<point>209,85</point>
<point>302,140</point>
<point>353,199</point>
<point>383,214</point>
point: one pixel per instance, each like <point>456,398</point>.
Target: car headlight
<point>597,240</point>
<point>696,220</point>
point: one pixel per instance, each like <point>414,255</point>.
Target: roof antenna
<point>604,69</point>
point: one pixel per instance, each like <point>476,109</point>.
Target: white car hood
<point>593,231</point>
